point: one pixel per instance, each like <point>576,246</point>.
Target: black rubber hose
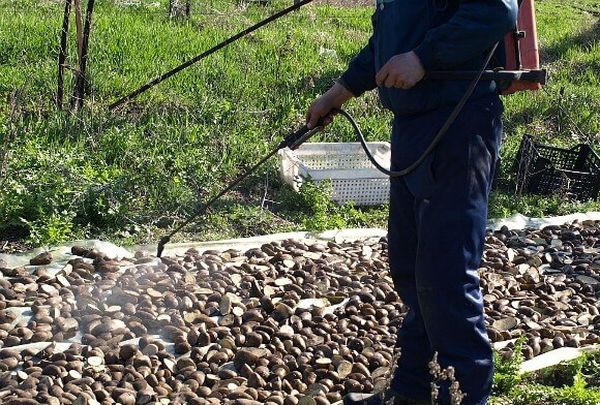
<point>440,134</point>
<point>206,53</point>
<point>295,139</point>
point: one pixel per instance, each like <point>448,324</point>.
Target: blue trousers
<point>437,226</point>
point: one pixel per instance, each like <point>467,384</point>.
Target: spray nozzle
<point>161,245</point>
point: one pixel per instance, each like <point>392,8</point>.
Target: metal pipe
<point>292,141</point>
<point>536,76</point>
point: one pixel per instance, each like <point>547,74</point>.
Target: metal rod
<point>292,141</point>
<point>203,208</point>
<point>537,76</point>
<point>204,54</point>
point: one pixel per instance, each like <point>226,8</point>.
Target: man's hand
<point>321,108</point>
<point>402,71</point>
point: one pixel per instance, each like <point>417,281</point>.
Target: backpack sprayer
<point>517,69</point>
<point>517,58</point>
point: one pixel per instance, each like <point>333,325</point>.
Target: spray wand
<point>295,139</point>
<point>292,141</point>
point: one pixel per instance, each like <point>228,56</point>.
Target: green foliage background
<point>131,174</point>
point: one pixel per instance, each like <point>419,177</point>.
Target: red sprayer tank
<point>515,65</point>
<point>521,48</point>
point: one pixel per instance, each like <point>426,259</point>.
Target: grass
<point>571,383</point>
<point>130,175</point>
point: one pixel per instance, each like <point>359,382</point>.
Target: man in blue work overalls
<point>438,213</point>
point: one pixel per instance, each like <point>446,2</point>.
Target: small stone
<point>249,356</point>
<point>127,351</point>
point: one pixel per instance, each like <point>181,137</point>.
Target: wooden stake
<point>62,55</point>
<point>79,26</point>
<point>79,90</point>
<point>79,31</point>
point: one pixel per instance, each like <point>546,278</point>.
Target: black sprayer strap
<point>204,54</point>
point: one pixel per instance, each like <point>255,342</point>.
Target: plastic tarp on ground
<point>517,221</point>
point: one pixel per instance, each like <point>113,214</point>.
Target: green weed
<point>571,383</point>
<point>576,394</point>
<point>313,208</point>
<point>503,205</point>
<point>506,370</point>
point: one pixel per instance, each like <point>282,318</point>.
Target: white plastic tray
<point>345,165</point>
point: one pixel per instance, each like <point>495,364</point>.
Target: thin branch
<point>264,198</point>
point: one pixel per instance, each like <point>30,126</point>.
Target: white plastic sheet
<point>519,221</point>
<point>61,254</point>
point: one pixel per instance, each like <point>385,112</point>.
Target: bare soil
<point>12,240</point>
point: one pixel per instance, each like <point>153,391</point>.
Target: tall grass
<point>126,174</point>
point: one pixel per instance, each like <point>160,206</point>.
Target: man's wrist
<point>425,55</point>
<point>339,94</point>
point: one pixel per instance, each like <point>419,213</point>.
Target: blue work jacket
<point>445,35</point>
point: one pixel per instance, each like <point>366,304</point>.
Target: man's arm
<point>475,27</point>
<point>320,111</point>
<point>360,75</point>
<point>358,78</point>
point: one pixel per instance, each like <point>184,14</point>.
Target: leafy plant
<point>314,207</point>
<point>506,374</point>
<point>576,394</point>
<point>52,230</point>
<point>571,383</point>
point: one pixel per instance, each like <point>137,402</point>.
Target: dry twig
<point>444,374</point>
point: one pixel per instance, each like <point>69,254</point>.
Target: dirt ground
<point>8,247</point>
<point>12,241</point>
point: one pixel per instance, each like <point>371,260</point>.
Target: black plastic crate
<point>546,170</point>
